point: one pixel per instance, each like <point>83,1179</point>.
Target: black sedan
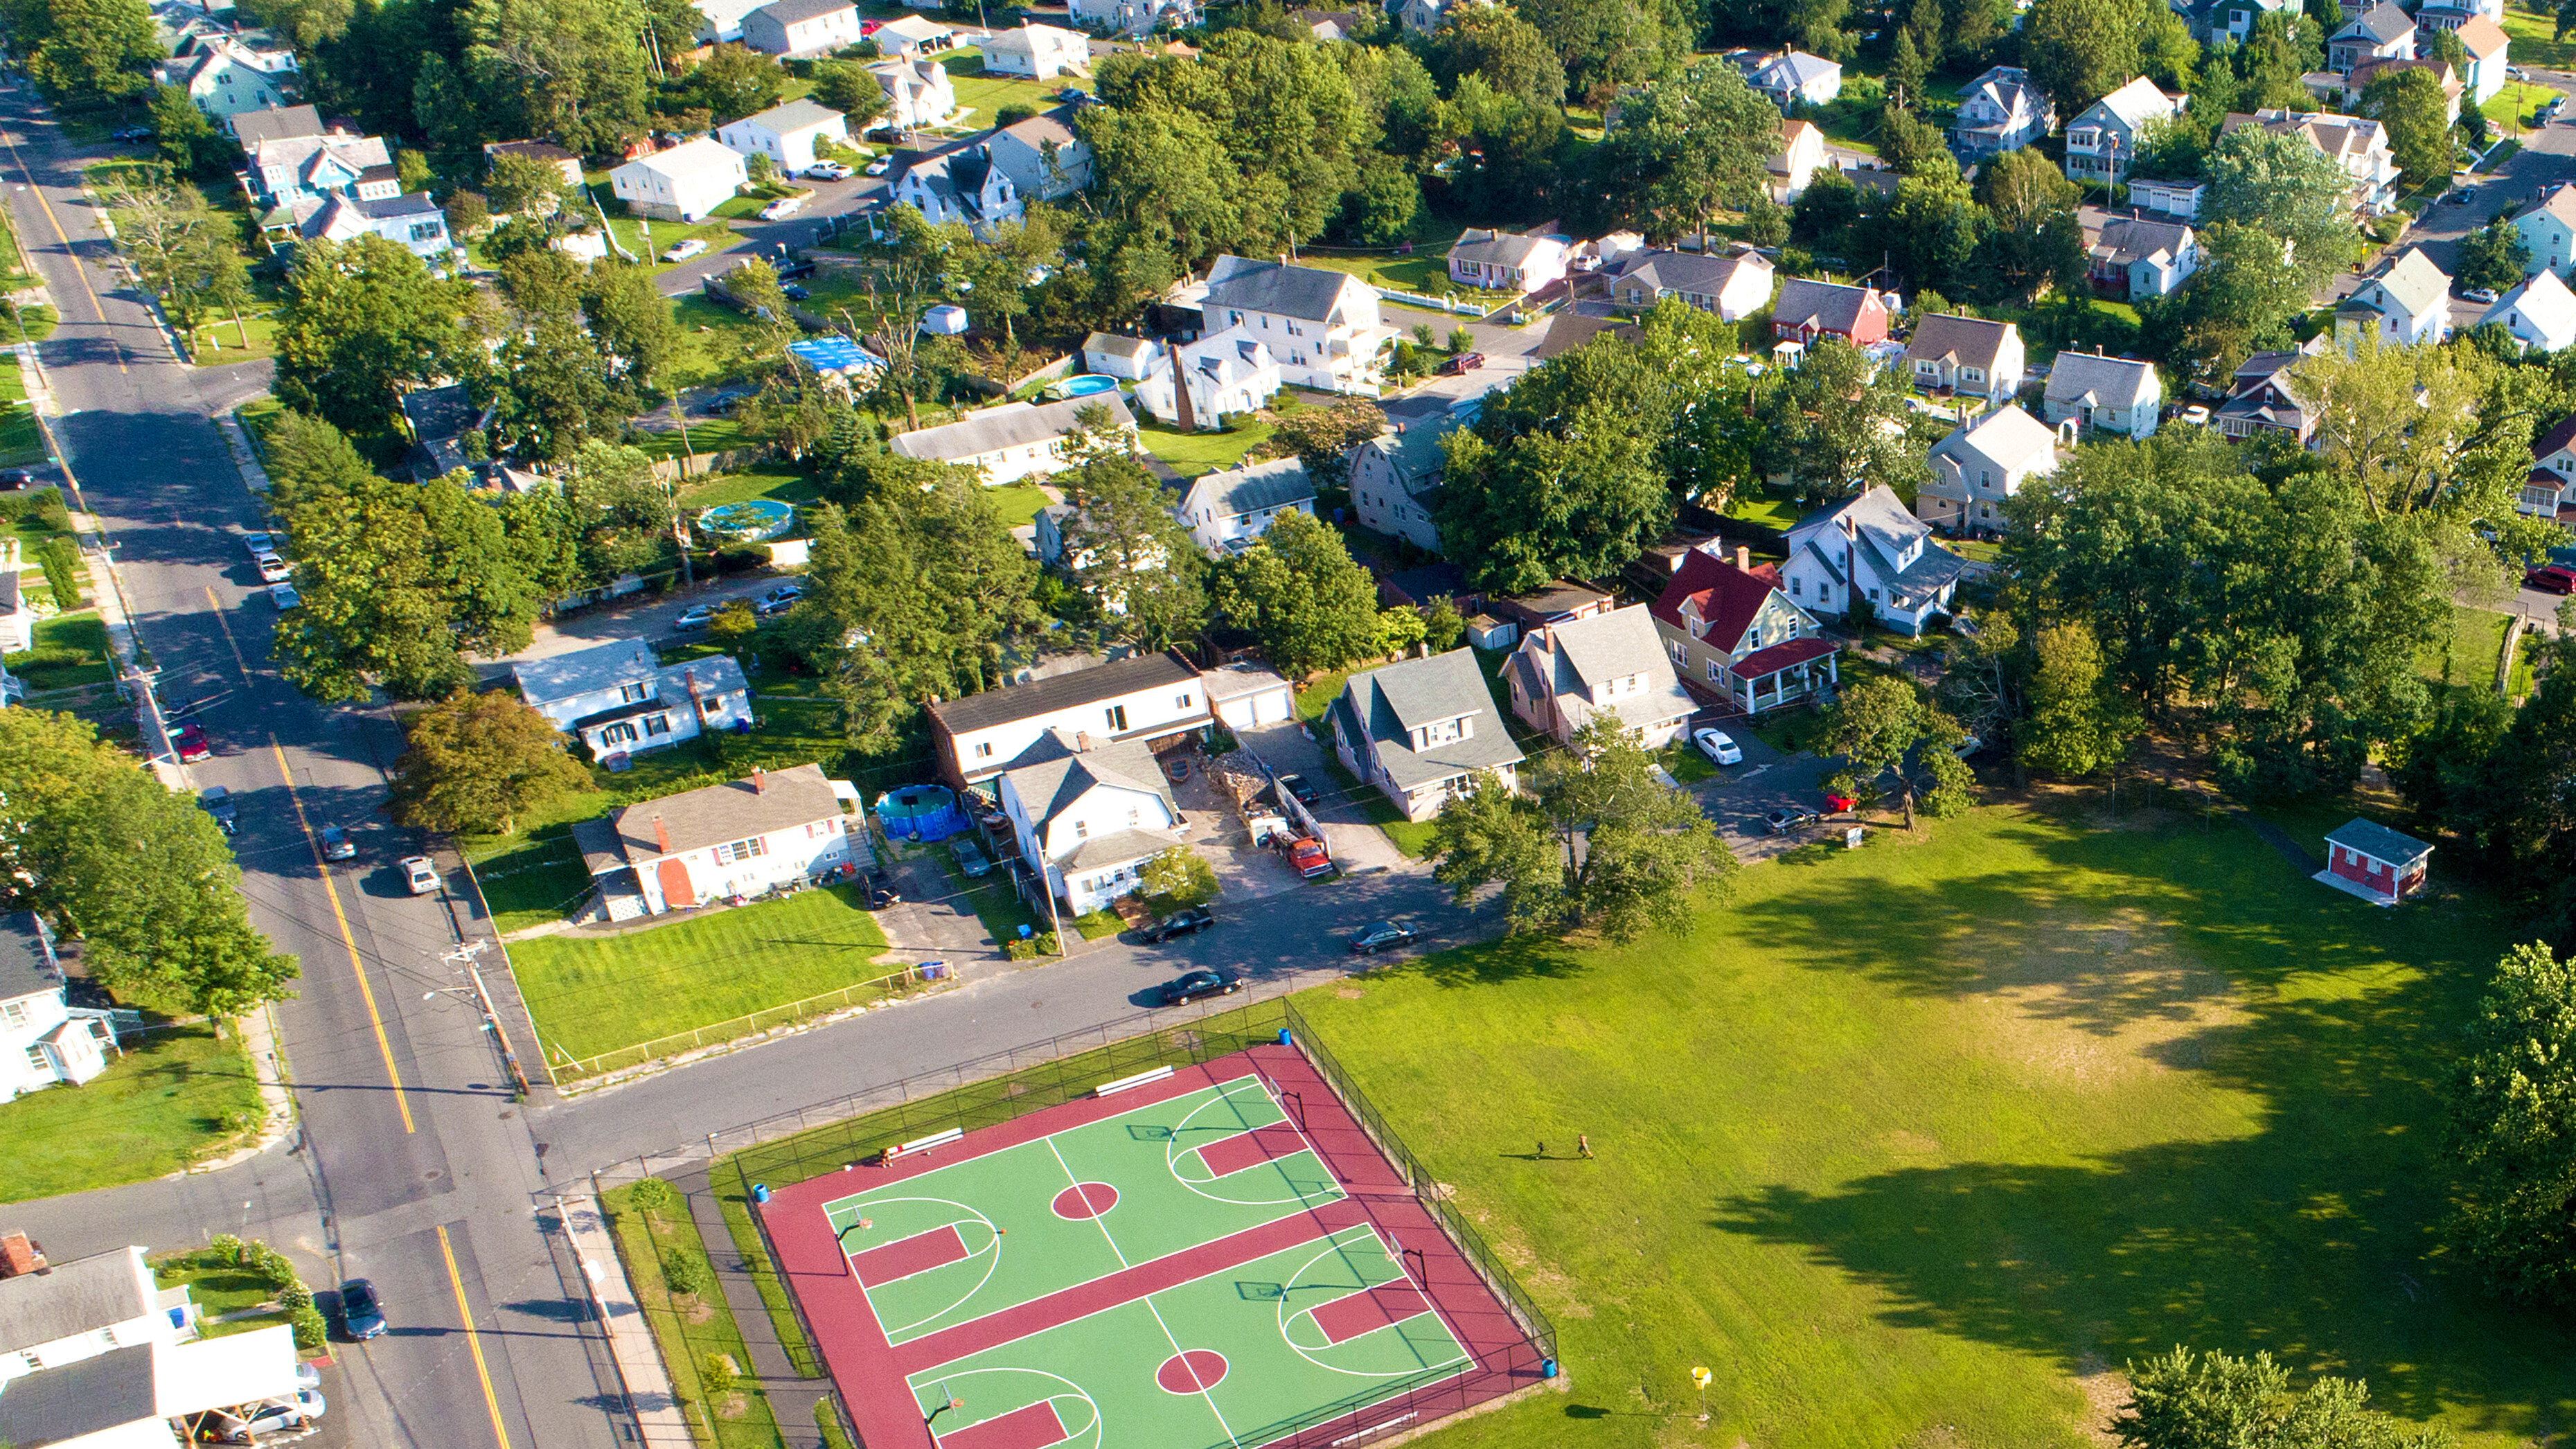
<point>1299,786</point>
<point>1379,937</point>
<point>361,1312</point>
<point>1182,990</point>
<point>1176,925</point>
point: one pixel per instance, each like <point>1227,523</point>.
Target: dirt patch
<point>733,1406</point>
<point>695,1310</point>
<point>2092,995</point>
<point>2105,1392</point>
<point>1348,993</point>
<point>1912,1144</point>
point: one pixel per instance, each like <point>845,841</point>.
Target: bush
<point>718,1374</point>
<point>225,1247</point>
<point>311,1332</point>
<point>651,1195</point>
<point>1014,113</point>
<point>61,562</point>
<point>1048,945</point>
<point>685,1272</point>
<point>1020,950</point>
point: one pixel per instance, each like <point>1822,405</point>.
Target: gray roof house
<point>1014,441</point>
<point>1094,810</point>
<point>738,839</point>
<point>617,699</point>
<point>1966,354</point>
<point>2094,391</point>
<point>1870,551</point>
<point>1732,287</point>
<point>276,123</point>
<point>1564,676</point>
<point>2000,111</point>
<point>1227,510</point>
<point>1421,730</point>
<point>1395,481</point>
<point>801,27</point>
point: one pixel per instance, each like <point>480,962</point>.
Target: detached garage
<point>1247,696</point>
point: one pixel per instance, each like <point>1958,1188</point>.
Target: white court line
<point>993,1262</point>
<point>1172,1164</point>
<point>1333,1245</point>
<point>1168,1337</point>
<point>1098,1420</point>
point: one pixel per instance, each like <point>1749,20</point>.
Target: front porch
<point>1783,674</point>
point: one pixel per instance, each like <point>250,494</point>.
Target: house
<point>1330,25</point>
<point>438,419</point>
<point>1732,287</point>
<point>787,134</point>
<point>2548,228</point>
<point>2262,396</point>
<point>1150,699</point>
<point>913,37</point>
<point>684,183</point>
<point>720,21</point>
<point>1507,261</point>
<point>1042,157</point>
<point>2114,394</point>
<point>155,1395</point>
<point>2383,32</point>
<point>566,164</point>
<point>1558,601</point>
<point>1322,326</point>
<point>1245,695</point>
<point>2178,200</point>
<point>1093,810</point>
<point>2453,15</point>
<point>2132,258</point>
<point>1971,355</point>
<point>2360,147</point>
<point>1422,730</point>
<point>2549,490</point>
<point>1795,78</point>
<point>1731,632</point>
<point>2000,111</point>
<point>17,619</point>
<point>276,123</point>
<point>2486,44</point>
<point>1422,17</point>
<point>1041,52</point>
<point>1139,17</point>
<point>1979,465</point>
<point>225,76</point>
<point>1129,359</point>
<point>1810,310</point>
<point>801,27</point>
<point>1801,153</point>
<point>2369,860</point>
<point>617,699</point>
<point>2453,87</point>
<point>918,94</point>
<point>1869,550</point>
<point>2408,303</point>
<point>1567,331</point>
<point>1395,481</point>
<point>1564,676</point>
<point>69,1312</point>
<point>44,1040</point>
<point>2541,314</point>
<point>1013,441</point>
<point>1229,373</point>
<point>413,222</point>
<point>288,169</point>
<point>2103,138</point>
<point>722,842</point>
<point>961,184</point>
<point>1226,510</point>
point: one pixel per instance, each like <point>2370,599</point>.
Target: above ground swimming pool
<point>749,521</point>
<point>1083,386</point>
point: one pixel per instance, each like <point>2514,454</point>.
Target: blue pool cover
<point>835,354</point>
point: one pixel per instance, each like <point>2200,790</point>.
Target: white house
<point>412,221</point>
<point>226,76</point>
<point>1134,17</point>
<point>1564,676</point>
<point>2132,257</point>
<point>1506,261</point>
<point>1801,155</point>
<point>1013,441</point>
<point>1041,52</point>
<point>2548,228</point>
<point>2179,199</point>
<point>1982,463</point>
<point>2406,304</point>
<point>2541,314</point>
<point>2549,490</point>
<point>1732,287</point>
<point>917,93</point>
<point>43,1040</point>
<point>2486,44</point>
<point>2115,394</point>
<point>73,1312</point>
<point>1129,359</point>
<point>960,184</point>
<point>913,37</point>
<point>684,183</point>
<point>1226,510</point>
<point>1227,373</point>
<point>1395,480</point>
<point>1246,695</point>
<point>17,611</point>
<point>1042,157</point>
<point>720,21</point>
<point>1795,78</point>
<point>2383,32</point>
<point>787,133</point>
<point>1322,326</point>
<point>1966,354</point>
<point>2454,15</point>
<point>1421,730</point>
<point>1146,698</point>
<point>1094,809</point>
<point>801,27</point>
<point>1999,111</point>
<point>2103,139</point>
<point>1871,550</point>
<point>616,699</point>
<point>2359,146</point>
<point>741,838</point>
<point>153,1395</point>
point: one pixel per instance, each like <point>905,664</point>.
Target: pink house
<point>2376,863</point>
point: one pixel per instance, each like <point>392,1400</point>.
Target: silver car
<point>420,874</point>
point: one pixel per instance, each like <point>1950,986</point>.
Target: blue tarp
<point>921,812</point>
<point>835,354</point>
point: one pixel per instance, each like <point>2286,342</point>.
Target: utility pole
<point>464,956</point>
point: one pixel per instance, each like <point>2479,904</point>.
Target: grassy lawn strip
<point>1019,502</point>
<point>1098,924</point>
<point>542,880</point>
<point>1974,1113</point>
<point>70,652</point>
<point>218,1285</point>
<point>1683,761</point>
<point>596,994</point>
<point>1789,731</point>
<point>732,1197</point>
<point>177,1098</point>
<point>2468,655</point>
<point>22,443</point>
<point>1191,454</point>
<point>1764,511</point>
<point>782,481</point>
<point>689,1326</point>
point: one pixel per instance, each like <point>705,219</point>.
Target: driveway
<point>1506,352</point>
<point>1244,872</point>
<point>1356,844</point>
<point>647,616</point>
<point>1768,780</point>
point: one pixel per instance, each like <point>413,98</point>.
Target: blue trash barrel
<point>1547,1368</point>
<point>760,1192</point>
<point>1283,1036</point>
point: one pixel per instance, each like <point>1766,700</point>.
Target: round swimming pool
<point>1084,385</point>
<point>749,521</point>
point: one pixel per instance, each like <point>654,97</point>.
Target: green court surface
<point>1259,1364</point>
<point>957,1243</point>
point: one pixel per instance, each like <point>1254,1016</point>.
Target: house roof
<point>799,114</point>
<point>784,13</point>
<point>1690,272</point>
<point>1882,528</point>
<point>584,671</point>
<point>439,412</point>
<point>1279,483</point>
<point>1060,692</point>
<point>2380,24</point>
<point>24,967</point>
<point>2559,203</point>
<point>1009,426</point>
<point>2548,309</point>
<point>1764,662</point>
<point>276,123</point>
<point>2415,284</point>
<point>1589,651</point>
<point>2009,88</point>
<point>84,1397</point>
<point>1388,703</point>
<point>1794,69</point>
<point>1240,678</point>
<point>2134,104</point>
<point>1966,341</point>
<point>2482,37</point>
<point>1549,602</point>
<point>2095,381</point>
<point>690,158</point>
<point>1055,772</point>
<point>2370,70</point>
<point>1306,293</point>
<point>2341,138</point>
<point>734,810</point>
<point>81,1296</point>
<point>2127,239</point>
<point>916,28</point>
<point>602,853</point>
<point>2012,439</point>
<point>2377,841</point>
<point>1038,130</point>
<point>1119,847</point>
<point>2559,436</point>
<point>1498,248</point>
<point>1110,345</point>
<point>1727,599</point>
<point>1415,450</point>
<point>1227,357</point>
<point>1824,306</point>
<point>1567,331</point>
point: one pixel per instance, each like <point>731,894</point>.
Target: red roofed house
<point>1809,310</point>
<point>2369,860</point>
<point>2550,490</point>
<point>1734,636</point>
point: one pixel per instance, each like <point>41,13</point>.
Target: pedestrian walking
<point>1542,1150</point>
<point>1582,1145</point>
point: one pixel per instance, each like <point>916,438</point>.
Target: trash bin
<point>760,1192</point>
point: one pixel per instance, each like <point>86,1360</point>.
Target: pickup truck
<point>1310,858</point>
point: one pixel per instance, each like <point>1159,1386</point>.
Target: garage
<point>1247,696</point>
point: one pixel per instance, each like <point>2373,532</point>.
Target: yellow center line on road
<point>59,235</point>
<point>238,662</point>
<point>473,1340</point>
<point>366,992</point>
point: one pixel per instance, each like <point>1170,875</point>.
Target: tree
<point>733,82</point>
<point>2494,256</point>
<point>1494,42</point>
<point>479,764</point>
<point>1598,841</point>
<point>188,141</point>
<point>1606,44</point>
<point>365,320</point>
<point>633,326</point>
<point>2036,241</point>
<point>1122,543</point>
<point>1882,725</point>
<point>569,69</point>
<point>2077,725</point>
<point>1297,591</point>
<point>2512,1141</point>
<point>850,88</point>
<point>2187,1400</point>
<point>1827,425</point>
<point>1179,877</point>
<point>2242,300</point>
<point>519,185</point>
<point>2410,104</point>
<point>2082,50</point>
<point>87,51</point>
<point>1906,70</point>
<point>139,874</point>
<point>1693,144</point>
<point>306,24</point>
<point>2289,190</point>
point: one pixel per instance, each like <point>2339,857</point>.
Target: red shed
<point>2374,862</point>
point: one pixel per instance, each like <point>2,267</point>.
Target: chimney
<point>661,833</point>
<point>1082,742</point>
<point>1184,415</point>
<point>1744,558</point>
<point>759,780</point>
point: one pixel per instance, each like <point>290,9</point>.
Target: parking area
<point>1356,844</point>
<point>1740,795</point>
<point>1217,833</point>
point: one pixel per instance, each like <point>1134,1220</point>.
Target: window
<point>1793,586</point>
<point>422,231</point>
<point>630,693</point>
<point>1185,698</point>
<point>1117,716</point>
<point>620,733</point>
<point>657,724</point>
<point>37,1060</point>
<point>1082,830</point>
<point>13,1012</point>
<point>1674,648</point>
<point>1712,671</point>
<point>1753,637</point>
<point>741,850</point>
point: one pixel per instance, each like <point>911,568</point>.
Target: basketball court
<point>1213,1256</point>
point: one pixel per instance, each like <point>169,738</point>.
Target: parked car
<point>13,480</point>
<point>131,133</point>
<point>1309,858</point>
<point>794,293</point>
<point>272,569</point>
<point>1967,745</point>
<point>1185,989</point>
<point>285,597</point>
<point>972,859</point>
<point>361,1312</point>
<point>827,171</point>
<point>1463,362</point>
<point>681,251</point>
<point>336,844</point>
<point>420,874</point>
<point>783,208</point>
<point>276,1416</point>
<point>2195,413</point>
<point>1299,786</point>
<point>1177,924</point>
<point>260,543</point>
<point>1378,937</point>
<point>307,1376</point>
<point>191,743</point>
<point>695,619</point>
<point>880,166</point>
<point>2551,579</point>
<point>217,801</point>
<point>778,600</point>
<point>2479,294</point>
<point>1782,821</point>
<point>1719,746</point>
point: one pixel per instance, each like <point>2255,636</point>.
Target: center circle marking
<point>1085,1200</point>
<point>1193,1372</point>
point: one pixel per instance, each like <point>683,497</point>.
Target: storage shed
<point>2369,860</point>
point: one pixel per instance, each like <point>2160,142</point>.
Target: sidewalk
<point>630,1339</point>
<point>792,1397</point>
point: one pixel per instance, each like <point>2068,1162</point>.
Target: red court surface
<point>1251,1149</point>
<point>917,1254</point>
<point>872,1375</point>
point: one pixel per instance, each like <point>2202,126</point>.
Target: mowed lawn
<point>1917,1145</point>
<point>171,1101</point>
<point>594,994</point>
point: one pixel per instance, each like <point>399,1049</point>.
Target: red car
<point>2551,579</point>
<point>1463,362</point>
<point>191,743</point>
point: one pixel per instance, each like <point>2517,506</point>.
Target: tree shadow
<point>1513,958</point>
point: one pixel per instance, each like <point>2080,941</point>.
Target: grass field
<point>689,1326</point>
<point>1020,502</point>
<point>22,443</point>
<point>782,481</point>
<point>218,1285</point>
<point>173,1100</point>
<point>1191,454</point>
<point>981,97</point>
<point>2469,653</point>
<point>1969,1120</point>
<point>2532,31</point>
<point>70,651</point>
